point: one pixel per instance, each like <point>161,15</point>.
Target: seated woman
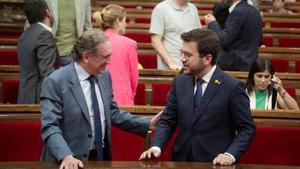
<point>265,90</point>
<point>124,58</point>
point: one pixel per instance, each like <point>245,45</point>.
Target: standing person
<point>209,107</point>
<point>37,51</point>
<point>265,90</point>
<point>71,19</point>
<point>241,36</point>
<point>78,109</point>
<point>124,59</point>
<point>170,18</point>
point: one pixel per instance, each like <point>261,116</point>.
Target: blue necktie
<point>97,120</point>
<point>198,94</point>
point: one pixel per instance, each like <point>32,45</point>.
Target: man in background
<point>170,18</point>
<point>241,36</point>
<point>37,51</point>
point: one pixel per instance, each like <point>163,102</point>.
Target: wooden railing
<point>31,112</point>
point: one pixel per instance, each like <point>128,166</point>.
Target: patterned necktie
<point>97,120</point>
<point>198,94</point>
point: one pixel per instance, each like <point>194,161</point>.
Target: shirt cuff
<point>156,149</point>
<point>230,156</point>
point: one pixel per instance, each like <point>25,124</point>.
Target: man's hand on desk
<point>153,152</point>
<point>223,159</point>
<point>69,162</point>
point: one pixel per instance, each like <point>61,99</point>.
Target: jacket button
<point>89,135</point>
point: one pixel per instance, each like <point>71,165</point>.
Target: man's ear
<point>208,59</point>
<point>85,57</point>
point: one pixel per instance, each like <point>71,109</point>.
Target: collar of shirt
<point>231,8</point>
<point>176,7</point>
<point>205,79</point>
<point>45,26</point>
<point>81,73</point>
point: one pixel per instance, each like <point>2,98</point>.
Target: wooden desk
<point>138,165</point>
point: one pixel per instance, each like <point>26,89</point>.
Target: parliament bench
<point>153,84</point>
<point>276,141</point>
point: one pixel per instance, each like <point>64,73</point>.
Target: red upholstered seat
<point>285,24</point>
<point>272,145</point>
<point>268,41</point>
<point>143,20</point>
<point>140,96</point>
<point>297,66</point>
<point>10,91</point>
<point>139,36</point>
<point>291,91</point>
<point>160,93</point>
<point>126,146</point>
<point>148,61</point>
<point>280,65</point>
<point>20,141</point>
<point>291,42</point>
<point>8,57</point>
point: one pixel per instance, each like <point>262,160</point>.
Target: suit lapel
<point>77,91</point>
<point>190,101</point>
<point>209,93</point>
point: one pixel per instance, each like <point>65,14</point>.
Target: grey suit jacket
<point>37,53</point>
<point>82,15</point>
<point>66,128</point>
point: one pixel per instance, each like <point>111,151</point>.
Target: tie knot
<point>199,81</point>
<point>91,79</point>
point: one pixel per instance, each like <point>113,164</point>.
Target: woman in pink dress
<point>124,59</point>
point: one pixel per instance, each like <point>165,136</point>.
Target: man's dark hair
<point>35,10</point>
<point>207,42</point>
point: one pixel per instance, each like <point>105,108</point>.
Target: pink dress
<point>123,67</point>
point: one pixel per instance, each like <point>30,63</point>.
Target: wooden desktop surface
<point>138,164</point>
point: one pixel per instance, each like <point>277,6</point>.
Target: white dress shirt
<point>86,88</point>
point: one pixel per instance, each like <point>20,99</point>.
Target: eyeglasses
<point>185,55</point>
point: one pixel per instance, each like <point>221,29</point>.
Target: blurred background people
<point>124,58</point>
<point>279,7</point>
<point>265,90</point>
<point>170,18</point>
<point>241,36</point>
<point>37,51</point>
<point>71,19</point>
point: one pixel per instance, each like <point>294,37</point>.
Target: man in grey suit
<point>36,51</point>
<point>69,115</point>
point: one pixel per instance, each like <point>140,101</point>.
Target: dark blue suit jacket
<point>241,35</point>
<point>223,123</point>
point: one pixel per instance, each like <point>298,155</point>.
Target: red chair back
<point>148,61</point>
<point>10,91</point>
<point>280,65</point>
<point>140,96</point>
<point>160,93</point>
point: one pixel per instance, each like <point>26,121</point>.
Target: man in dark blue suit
<point>241,36</point>
<point>219,127</point>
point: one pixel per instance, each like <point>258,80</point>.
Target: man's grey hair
<point>88,42</point>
